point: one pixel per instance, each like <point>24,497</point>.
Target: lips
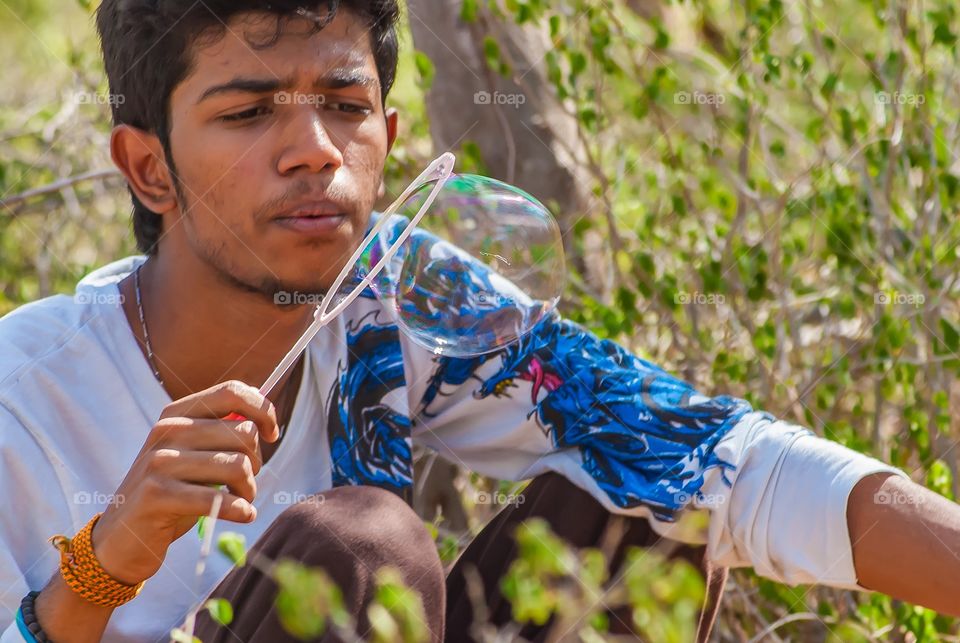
<point>315,218</point>
<point>311,209</point>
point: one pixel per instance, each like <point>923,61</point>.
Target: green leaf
<point>829,85</point>
<point>491,51</point>
<point>951,336</point>
<point>578,62</point>
<point>220,610</point>
<point>940,479</point>
<point>554,26</point>
<point>397,612</point>
<point>448,549</point>
<point>233,546</point>
<point>308,599</point>
<point>468,11</point>
<point>943,35</point>
<point>662,40</point>
<point>425,68</point>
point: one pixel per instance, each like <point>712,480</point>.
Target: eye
<point>245,115</point>
<point>349,108</point>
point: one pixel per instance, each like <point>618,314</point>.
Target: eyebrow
<point>334,79</point>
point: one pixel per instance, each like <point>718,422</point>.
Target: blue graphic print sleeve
<point>644,437</point>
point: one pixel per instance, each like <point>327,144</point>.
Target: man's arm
<point>72,617</point>
<point>905,541</point>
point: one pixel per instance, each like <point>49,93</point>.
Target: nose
<point>308,145</point>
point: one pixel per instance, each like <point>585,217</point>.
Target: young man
<point>111,401</point>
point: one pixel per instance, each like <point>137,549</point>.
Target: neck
<point>204,331</point>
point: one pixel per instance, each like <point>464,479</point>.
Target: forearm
<point>907,547</point>
<point>64,615</point>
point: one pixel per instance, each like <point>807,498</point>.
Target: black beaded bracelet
<point>30,618</point>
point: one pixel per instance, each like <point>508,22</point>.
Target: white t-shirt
<point>77,399</point>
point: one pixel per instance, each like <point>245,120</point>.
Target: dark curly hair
<point>146,53</point>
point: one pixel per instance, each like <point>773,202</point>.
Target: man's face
<point>279,152</point>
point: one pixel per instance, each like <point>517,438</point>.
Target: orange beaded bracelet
<point>82,571</point>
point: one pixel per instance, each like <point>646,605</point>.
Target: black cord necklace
<point>143,327</point>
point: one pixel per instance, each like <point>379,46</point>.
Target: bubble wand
<point>438,171</point>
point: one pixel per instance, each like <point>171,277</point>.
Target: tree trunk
<point>525,136</point>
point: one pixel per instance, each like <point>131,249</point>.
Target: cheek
<point>365,155</point>
<point>208,158</point>
<point>220,200</point>
<point>225,182</point>
<point>237,180</point>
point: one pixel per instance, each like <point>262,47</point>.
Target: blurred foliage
<point>662,598</point>
<point>775,184</point>
<point>309,603</point>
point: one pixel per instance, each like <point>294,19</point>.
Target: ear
<point>139,156</point>
<point>392,117</point>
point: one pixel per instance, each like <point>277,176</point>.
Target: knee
<point>352,532</point>
<point>363,522</point>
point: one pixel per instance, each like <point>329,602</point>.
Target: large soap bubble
<point>482,268</point>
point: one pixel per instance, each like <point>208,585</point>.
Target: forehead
<point>291,47</point>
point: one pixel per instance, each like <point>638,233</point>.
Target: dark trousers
<point>357,530</point>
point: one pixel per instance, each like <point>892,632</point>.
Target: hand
<point>168,487</point>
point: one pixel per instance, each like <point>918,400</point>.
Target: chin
<point>311,272</point>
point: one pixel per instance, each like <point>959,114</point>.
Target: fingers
<point>235,470</point>
<point>226,398</point>
<point>190,434</point>
<point>186,499</point>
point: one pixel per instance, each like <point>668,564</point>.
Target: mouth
<point>314,218</point>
